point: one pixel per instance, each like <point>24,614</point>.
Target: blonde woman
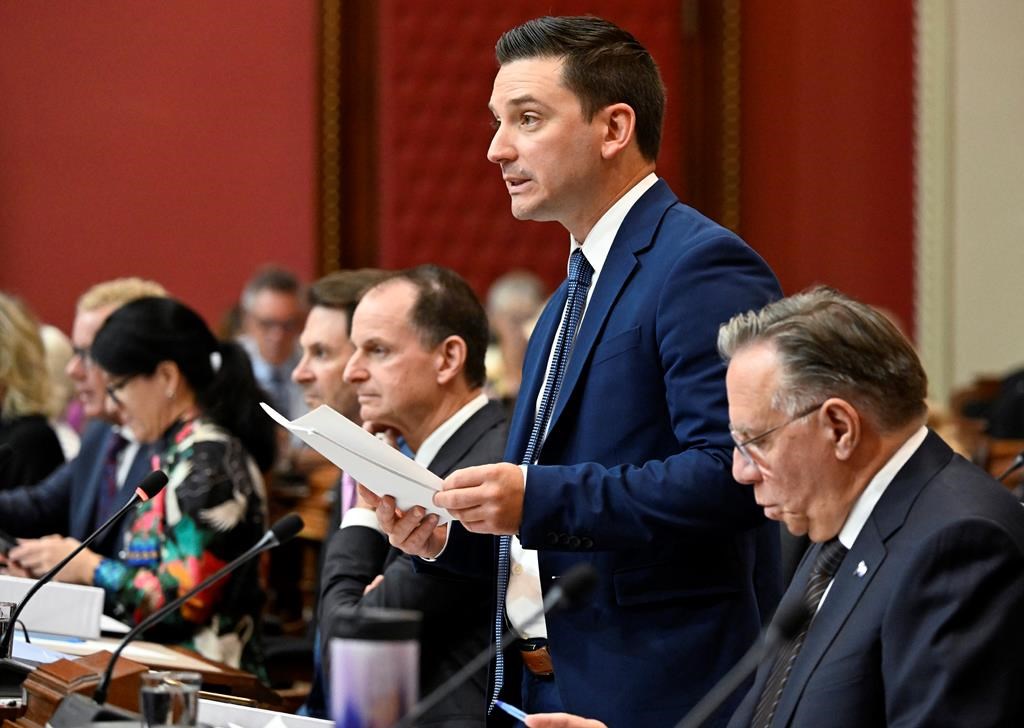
<point>34,450</point>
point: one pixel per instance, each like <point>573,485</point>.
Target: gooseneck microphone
<point>574,585</point>
<point>1017,464</point>
<point>149,487</point>
<point>284,530</point>
<point>783,628</point>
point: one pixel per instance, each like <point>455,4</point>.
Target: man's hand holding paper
<point>486,498</point>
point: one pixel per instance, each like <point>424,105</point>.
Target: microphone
<point>5,454</point>
<point>1016,465</point>
<point>574,585</point>
<point>149,487</point>
<point>284,530</point>
<point>783,628</point>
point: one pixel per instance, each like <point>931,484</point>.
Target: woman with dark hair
<point>195,398</point>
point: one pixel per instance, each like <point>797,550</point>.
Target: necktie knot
<point>829,558</point>
<point>580,270</point>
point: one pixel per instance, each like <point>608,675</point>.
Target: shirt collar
<point>602,235</point>
<point>436,439</point>
<point>867,501</point>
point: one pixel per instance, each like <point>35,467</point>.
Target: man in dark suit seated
<point>912,591</point>
<point>53,516</point>
<point>418,370</point>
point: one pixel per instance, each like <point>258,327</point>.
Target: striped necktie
<point>580,275</point>
<point>829,558</point>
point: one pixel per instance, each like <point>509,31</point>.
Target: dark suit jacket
<point>928,632</point>
<point>65,502</point>
<point>457,612</point>
<point>35,450</point>
<point>635,474</point>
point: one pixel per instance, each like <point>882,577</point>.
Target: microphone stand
<point>782,629</point>
<point>77,709</point>
<point>150,486</point>
<point>575,583</point>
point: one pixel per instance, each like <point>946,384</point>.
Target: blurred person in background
<point>62,391</point>
<point>35,450</point>
<point>51,518</point>
<point>273,312</point>
<point>514,301</point>
<point>195,400</point>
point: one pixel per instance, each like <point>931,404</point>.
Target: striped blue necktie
<point>580,275</point>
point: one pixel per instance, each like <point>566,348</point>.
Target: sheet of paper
<point>109,625</point>
<point>378,466</point>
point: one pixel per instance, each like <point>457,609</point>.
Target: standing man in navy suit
<point>619,449</point>
<point>54,515</point>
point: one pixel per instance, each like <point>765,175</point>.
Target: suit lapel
<point>852,579</point>
<point>534,369</point>
<point>846,590</point>
<point>465,438</point>
<point>635,234</point>
<point>84,504</point>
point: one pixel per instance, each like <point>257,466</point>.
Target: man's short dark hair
<point>342,290</point>
<point>270,278</point>
<point>446,306</point>
<point>603,65</point>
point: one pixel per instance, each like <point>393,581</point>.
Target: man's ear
<point>450,358</point>
<point>619,125</point>
<point>845,424</point>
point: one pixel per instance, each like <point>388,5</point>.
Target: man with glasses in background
<point>273,312</point>
<point>52,517</point>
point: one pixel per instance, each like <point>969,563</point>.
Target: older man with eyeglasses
<point>908,603</point>
<point>51,517</point>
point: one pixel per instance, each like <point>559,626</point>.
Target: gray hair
<point>270,278</point>
<point>830,345</point>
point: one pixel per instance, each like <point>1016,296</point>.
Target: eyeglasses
<point>287,326</point>
<point>84,355</point>
<point>114,387</point>
<point>744,445</point>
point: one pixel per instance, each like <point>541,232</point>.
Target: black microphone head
<point>152,484</point>
<point>576,584</point>
<point>789,620</point>
<point>5,453</point>
<point>287,527</point>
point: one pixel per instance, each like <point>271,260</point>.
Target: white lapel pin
<point>861,569</point>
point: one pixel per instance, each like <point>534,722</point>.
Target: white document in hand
<point>379,467</point>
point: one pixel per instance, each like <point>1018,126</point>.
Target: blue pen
<point>511,710</point>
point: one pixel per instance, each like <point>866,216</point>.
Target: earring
<point>170,394</point>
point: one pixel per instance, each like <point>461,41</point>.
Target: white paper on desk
<point>378,466</point>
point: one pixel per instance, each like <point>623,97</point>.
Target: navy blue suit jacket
<point>922,624</point>
<point>65,502</point>
<point>635,474</point>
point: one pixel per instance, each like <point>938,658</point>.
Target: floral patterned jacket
<point>212,509</point>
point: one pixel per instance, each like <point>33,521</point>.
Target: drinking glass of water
<point>169,699</point>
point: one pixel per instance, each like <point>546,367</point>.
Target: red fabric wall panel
<point>170,140</point>
<point>827,160</point>
<point>441,201</point>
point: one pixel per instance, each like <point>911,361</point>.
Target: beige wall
<point>971,188</point>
